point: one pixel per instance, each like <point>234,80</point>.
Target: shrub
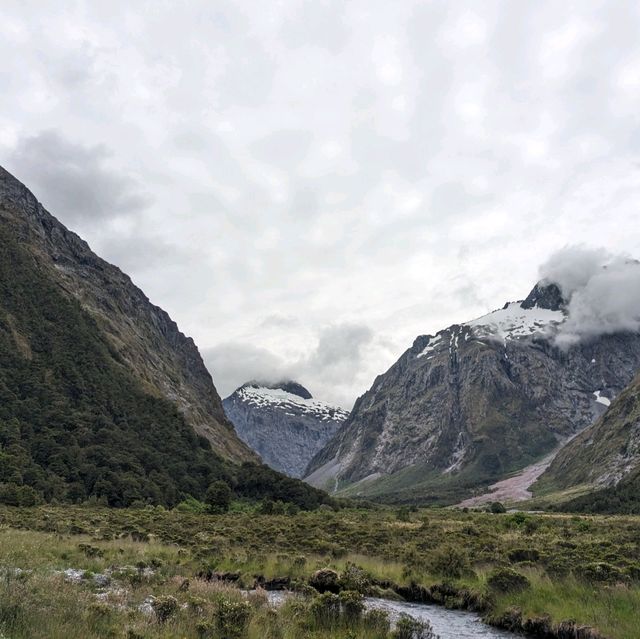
<point>231,618</point>
<point>377,621</point>
<point>325,580</point>
<point>352,605</point>
<point>507,580</point>
<point>497,508</point>
<point>601,572</point>
<point>325,610</point>
<point>354,578</point>
<point>165,607</point>
<point>524,554</point>
<point>409,628</point>
<point>450,561</point>
<point>403,514</point>
<point>218,497</point>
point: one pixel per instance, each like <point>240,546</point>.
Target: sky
<point>306,186</point>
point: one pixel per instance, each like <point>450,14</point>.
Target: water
<point>447,624</point>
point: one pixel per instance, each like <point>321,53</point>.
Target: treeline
<point>76,425</point>
<point>623,499</point>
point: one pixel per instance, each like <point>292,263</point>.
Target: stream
<point>447,624</point>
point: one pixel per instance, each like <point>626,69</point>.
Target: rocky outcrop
<point>283,423</point>
<point>474,403</point>
<point>146,340</point>
<point>603,455</point>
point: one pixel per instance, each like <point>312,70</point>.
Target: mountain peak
<point>289,386</point>
<point>545,295</point>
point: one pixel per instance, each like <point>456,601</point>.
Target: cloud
<point>603,292</point>
<point>340,346</point>
<point>332,370</point>
<point>75,180</point>
<point>400,166</point>
<point>233,364</point>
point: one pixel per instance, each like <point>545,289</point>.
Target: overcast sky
<point>307,186</point>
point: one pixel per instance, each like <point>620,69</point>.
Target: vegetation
<point>75,425</point>
<point>96,572</point>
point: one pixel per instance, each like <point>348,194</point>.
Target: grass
<point>582,568</point>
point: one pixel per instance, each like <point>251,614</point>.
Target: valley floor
<point>72,572</point>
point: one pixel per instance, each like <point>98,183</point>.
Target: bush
<point>601,572</point>
<point>325,610</point>
<point>354,578</point>
<point>377,621</point>
<point>409,628</point>
<point>507,580</point>
<point>165,607</point>
<point>497,508</point>
<point>352,605</point>
<point>403,514</point>
<point>450,562</point>
<point>231,618</point>
<point>218,497</point>
<point>325,580</point>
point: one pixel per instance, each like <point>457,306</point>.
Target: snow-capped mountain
<point>283,423</point>
<point>475,403</point>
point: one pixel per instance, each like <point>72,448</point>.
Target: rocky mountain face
<point>283,423</point>
<point>605,455</point>
<point>474,403</point>
<point>149,344</point>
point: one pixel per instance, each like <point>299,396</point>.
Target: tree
<point>218,497</point>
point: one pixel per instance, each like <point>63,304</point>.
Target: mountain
<point>603,460</point>
<point>101,396</point>
<point>475,403</point>
<point>282,423</point>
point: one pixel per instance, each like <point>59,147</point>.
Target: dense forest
<point>74,423</point>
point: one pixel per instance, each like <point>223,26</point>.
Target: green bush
<point>165,607</point>
<point>451,562</point>
<point>507,580</point>
<point>231,618</point>
<point>218,497</point>
<point>409,628</point>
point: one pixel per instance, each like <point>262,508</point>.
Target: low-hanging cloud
<point>602,290</point>
<point>335,370</point>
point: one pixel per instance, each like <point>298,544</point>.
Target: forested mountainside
<point>100,394</point>
<point>602,461</point>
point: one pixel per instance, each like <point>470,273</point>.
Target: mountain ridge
<point>465,407</point>
<point>166,361</point>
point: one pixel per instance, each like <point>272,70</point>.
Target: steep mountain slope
<point>604,456</point>
<point>282,423</point>
<point>474,403</point>
<point>101,396</point>
<point>165,362</point>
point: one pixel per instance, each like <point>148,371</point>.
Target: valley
<point>79,572</point>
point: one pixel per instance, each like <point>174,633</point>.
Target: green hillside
<point>74,423</point>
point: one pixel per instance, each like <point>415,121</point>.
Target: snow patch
<point>605,401</point>
<point>263,397</point>
<point>431,346</point>
<point>515,322</point>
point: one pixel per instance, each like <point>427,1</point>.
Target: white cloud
<point>602,290</point>
<point>397,166</point>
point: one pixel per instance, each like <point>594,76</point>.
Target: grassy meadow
<point>80,572</point>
